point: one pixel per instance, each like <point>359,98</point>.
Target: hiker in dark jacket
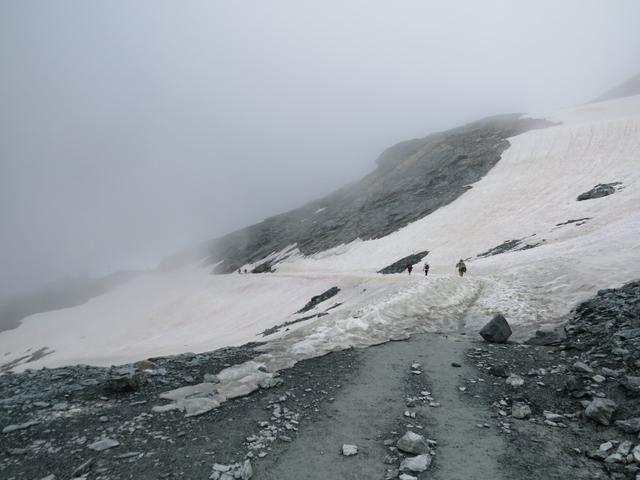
<point>462,268</point>
<point>409,268</point>
<point>426,269</point>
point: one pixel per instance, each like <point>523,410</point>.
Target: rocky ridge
<point>412,179</point>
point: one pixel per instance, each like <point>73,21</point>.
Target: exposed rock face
<point>497,330</point>
<point>412,180</point>
<point>599,191</point>
<point>401,265</point>
<point>318,299</point>
<point>510,246</point>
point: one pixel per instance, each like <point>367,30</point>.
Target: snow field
<point>532,189</point>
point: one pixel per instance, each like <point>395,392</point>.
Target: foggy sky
<point>132,129</point>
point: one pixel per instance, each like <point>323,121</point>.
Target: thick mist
<point>131,130</point>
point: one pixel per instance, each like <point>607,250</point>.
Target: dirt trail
<point>372,405</point>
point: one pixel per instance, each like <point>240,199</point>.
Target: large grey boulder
<point>601,410</point>
<point>497,330</point>
<point>413,443</point>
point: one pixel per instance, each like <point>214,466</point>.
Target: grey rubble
<point>412,180</point>
<point>578,392</point>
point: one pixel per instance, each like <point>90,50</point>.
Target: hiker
<point>240,271</point>
<point>426,269</point>
<point>409,268</point>
<point>462,268</point>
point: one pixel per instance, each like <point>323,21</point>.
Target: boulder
<point>497,330</point>
<point>413,443</point>
<point>520,410</point>
<point>349,450</point>
<point>601,410</point>
<point>582,367</point>
<point>416,464</point>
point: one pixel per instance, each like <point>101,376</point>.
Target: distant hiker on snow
<point>409,268</point>
<point>462,268</point>
<point>426,269</point>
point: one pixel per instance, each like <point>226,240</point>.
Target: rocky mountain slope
<point>412,180</point>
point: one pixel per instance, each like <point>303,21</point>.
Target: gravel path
<point>371,408</point>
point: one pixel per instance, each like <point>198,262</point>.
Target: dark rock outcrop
<point>497,330</point>
<point>318,299</point>
<point>599,191</point>
<point>401,265</point>
<point>412,180</point>
<point>510,246</point>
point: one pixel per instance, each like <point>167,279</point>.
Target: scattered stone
<point>598,378</point>
<point>631,385</point>
<point>416,464</point>
<point>104,444</point>
<point>349,450</point>
<point>624,448</point>
<point>514,380</point>
<point>20,426</point>
<point>455,364</point>
<point>391,473</point>
<point>601,410</point>
<point>582,367</point>
<point>497,330</point>
<point>82,468</point>
<point>413,443</point>
<point>499,371</point>
<point>18,451</point>
<point>553,417</point>
<point>520,410</point>
<point>406,476</point>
